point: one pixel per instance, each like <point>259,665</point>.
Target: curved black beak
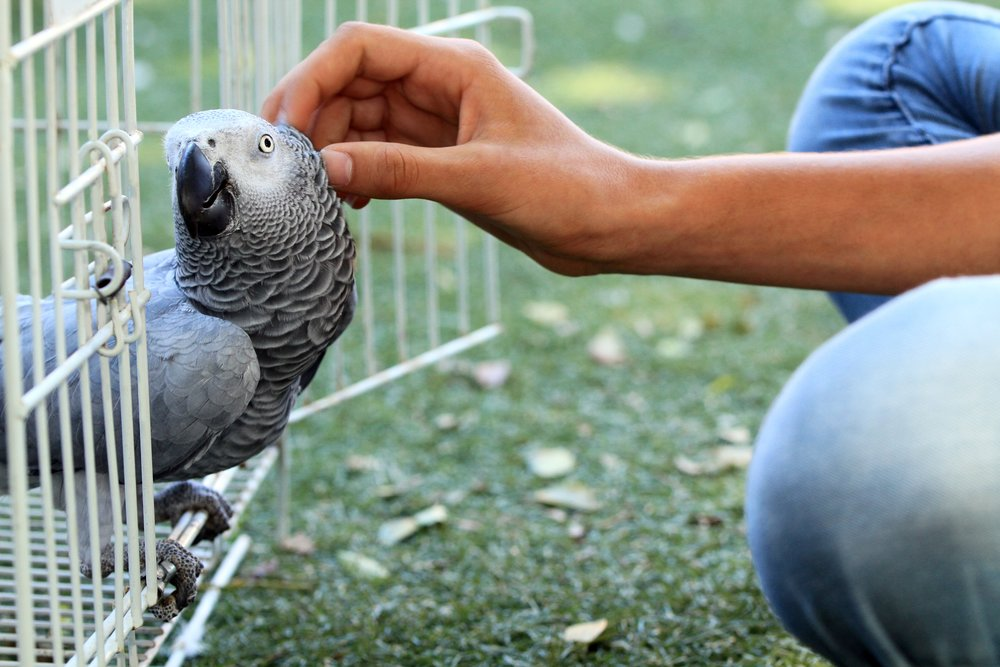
<point>205,203</point>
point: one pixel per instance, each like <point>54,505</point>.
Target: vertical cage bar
<point>134,227</point>
<point>262,23</point>
<point>32,194</point>
<point>194,11</point>
<point>330,17</point>
<point>399,277</point>
<point>223,25</point>
<point>16,437</point>
<point>430,271</point>
<point>462,273</point>
<point>71,111</point>
<point>111,71</point>
<point>366,292</point>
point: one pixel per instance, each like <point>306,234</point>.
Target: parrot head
<point>235,172</point>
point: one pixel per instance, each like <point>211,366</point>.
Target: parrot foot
<point>187,569</point>
<point>182,497</point>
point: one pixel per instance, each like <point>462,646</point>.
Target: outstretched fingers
<point>354,61</point>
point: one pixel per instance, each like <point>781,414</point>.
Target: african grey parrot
<point>260,282</point>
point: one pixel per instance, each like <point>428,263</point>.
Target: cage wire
<point>84,86</point>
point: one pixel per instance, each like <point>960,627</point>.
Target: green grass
<point>664,558</point>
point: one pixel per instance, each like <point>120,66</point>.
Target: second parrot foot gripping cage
<point>86,87</point>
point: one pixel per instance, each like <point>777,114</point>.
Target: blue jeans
<point>873,501</point>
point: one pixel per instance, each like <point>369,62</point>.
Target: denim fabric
<point>925,73</point>
<point>873,501</point>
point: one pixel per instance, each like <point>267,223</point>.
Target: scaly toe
<point>187,569</point>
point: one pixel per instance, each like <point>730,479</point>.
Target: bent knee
<point>873,503</point>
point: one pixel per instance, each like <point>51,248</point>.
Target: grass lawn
<point>662,556</point>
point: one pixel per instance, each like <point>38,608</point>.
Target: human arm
<point>443,120</point>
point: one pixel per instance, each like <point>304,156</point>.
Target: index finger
<point>356,50</point>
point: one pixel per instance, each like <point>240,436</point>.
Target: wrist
<point>642,213</point>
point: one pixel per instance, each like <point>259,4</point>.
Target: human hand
<point>401,115</point>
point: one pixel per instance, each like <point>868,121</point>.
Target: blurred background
<point>587,466</point>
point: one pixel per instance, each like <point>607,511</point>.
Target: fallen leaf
<point>446,422</point>
<point>455,496</point>
<point>673,348</point>
<point>733,456</point>
<point>735,435</point>
<point>546,313</point>
<point>557,515</point>
<point>395,531</point>
<point>644,327</point>
<point>362,463</point>
<point>607,348</point>
<point>492,374</point>
<point>550,462</point>
<point>404,486</point>
<point>469,525</point>
<point>690,328</point>
<point>585,633</point>
<point>707,520</point>
<point>434,514</point>
<point>612,462</point>
<point>721,384</point>
<point>362,566</point>
<point>720,459</point>
<point>265,569</point>
<point>300,544</point>
<point>574,496</point>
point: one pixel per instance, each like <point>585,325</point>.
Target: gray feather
<point>239,317</point>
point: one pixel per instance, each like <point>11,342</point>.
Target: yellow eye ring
<point>266,143</point>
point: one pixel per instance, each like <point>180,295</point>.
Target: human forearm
<point>404,115</point>
<point>876,222</point>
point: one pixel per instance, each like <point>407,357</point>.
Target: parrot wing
<point>202,373</point>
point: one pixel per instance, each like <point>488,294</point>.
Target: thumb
<point>380,170</point>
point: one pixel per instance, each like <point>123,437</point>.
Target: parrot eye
<point>266,144</point>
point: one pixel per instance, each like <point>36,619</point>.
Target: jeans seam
<point>888,80</point>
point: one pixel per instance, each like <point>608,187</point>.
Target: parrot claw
<point>186,570</point>
<point>175,500</point>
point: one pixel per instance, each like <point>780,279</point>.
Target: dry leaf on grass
<point>404,486</point>
<point>395,531</point>
<point>491,374</point>
<point>706,520</point>
<point>735,435</point>
<point>547,313</point>
<point>607,348</point>
<point>720,459</point>
<point>434,514</point>
<point>690,328</point>
<point>573,496</point>
<point>362,566</point>
<point>611,462</point>
<point>362,463</point>
<point>550,462</point>
<point>265,569</point>
<point>585,633</point>
<point>300,544</point>
<point>673,348</point>
<point>446,421</point>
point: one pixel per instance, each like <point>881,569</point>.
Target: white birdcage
<point>73,77</point>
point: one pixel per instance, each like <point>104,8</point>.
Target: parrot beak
<point>205,203</point>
